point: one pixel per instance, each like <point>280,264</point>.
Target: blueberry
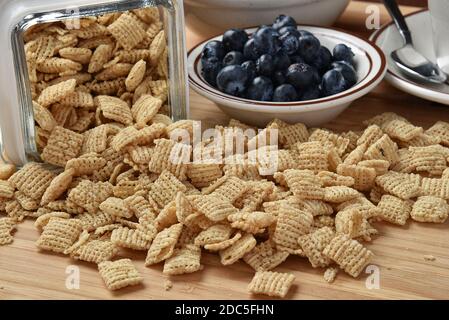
<point>285,93</point>
<point>261,89</point>
<point>343,53</point>
<point>232,80</point>
<point>300,75</point>
<point>233,57</point>
<point>262,26</point>
<point>279,77</point>
<point>250,68</point>
<point>214,49</point>
<point>322,60</point>
<point>234,39</point>
<point>249,50</point>
<point>333,82</point>
<point>266,40</point>
<point>316,75</point>
<point>281,61</point>
<point>348,72</point>
<point>210,69</point>
<point>290,43</point>
<point>290,29</point>
<point>296,59</point>
<point>284,21</point>
<point>311,93</point>
<point>265,65</point>
<point>309,46</point>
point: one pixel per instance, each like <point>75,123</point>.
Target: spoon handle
<point>399,20</point>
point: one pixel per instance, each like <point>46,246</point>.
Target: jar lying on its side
<point>78,65</point>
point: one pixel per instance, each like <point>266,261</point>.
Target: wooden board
<point>404,274</point>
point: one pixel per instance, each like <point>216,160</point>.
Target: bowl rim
<point>355,90</point>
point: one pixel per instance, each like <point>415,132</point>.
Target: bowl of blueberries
<point>295,73</point>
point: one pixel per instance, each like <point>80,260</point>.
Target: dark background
<point>417,3</point>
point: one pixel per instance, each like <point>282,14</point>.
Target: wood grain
<point>26,273</point>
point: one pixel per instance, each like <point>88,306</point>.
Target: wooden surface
<point>26,273</point>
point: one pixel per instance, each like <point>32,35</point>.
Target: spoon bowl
<point>409,60</point>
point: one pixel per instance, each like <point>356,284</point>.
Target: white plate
<point>389,39</point>
<point>371,68</point>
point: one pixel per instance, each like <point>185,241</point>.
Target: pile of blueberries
<point>277,63</point>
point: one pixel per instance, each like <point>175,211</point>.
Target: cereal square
<point>63,145</point>
<point>7,226</point>
<point>184,260</point>
<point>33,179</point>
<point>394,209</point>
<point>349,254</point>
<point>119,274</point>
<point>59,234</point>
<point>273,284</point>
<point>430,209</point>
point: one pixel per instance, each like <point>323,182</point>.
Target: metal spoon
<point>407,58</point>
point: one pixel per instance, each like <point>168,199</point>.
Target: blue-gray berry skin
<point>296,59</point>
<point>215,49</point>
<point>290,43</point>
<point>281,61</point>
<point>342,52</point>
<point>290,29</point>
<point>316,76</point>
<point>234,39</point>
<point>250,68</point>
<point>300,75</point>
<point>265,65</point>
<point>266,40</point>
<point>348,72</point>
<point>233,57</point>
<point>279,77</point>
<point>309,46</point>
<point>261,89</point>
<point>232,80</point>
<point>323,60</point>
<point>250,51</point>
<point>210,69</point>
<point>284,21</point>
<point>262,26</point>
<point>333,82</point>
<point>285,93</point>
<point>311,93</point>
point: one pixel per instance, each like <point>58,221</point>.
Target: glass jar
<point>29,64</point>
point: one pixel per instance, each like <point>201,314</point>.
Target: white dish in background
<point>389,39</point>
<point>226,14</point>
<point>371,68</point>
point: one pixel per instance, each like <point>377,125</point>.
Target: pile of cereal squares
<point>117,187</point>
<point>108,180</point>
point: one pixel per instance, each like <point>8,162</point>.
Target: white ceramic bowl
<point>225,14</point>
<point>371,68</point>
<point>389,39</point>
